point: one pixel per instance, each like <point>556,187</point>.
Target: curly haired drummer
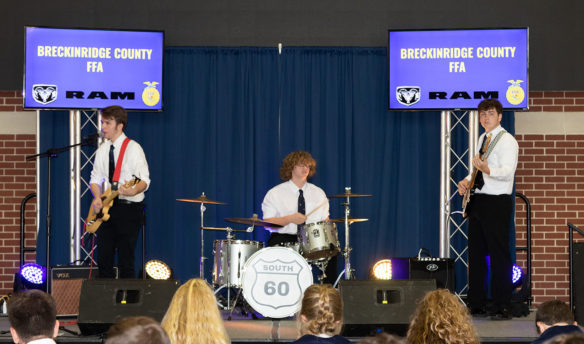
<point>283,204</point>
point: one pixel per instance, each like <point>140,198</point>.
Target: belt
<point>125,201</point>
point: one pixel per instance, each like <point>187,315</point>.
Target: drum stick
<point>315,209</point>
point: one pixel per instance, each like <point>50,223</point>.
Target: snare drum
<point>239,253</point>
<point>295,246</point>
<point>319,241</point>
<point>274,279</point>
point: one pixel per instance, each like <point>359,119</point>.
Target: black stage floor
<point>241,330</point>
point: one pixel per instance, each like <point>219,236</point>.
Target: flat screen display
<point>92,69</point>
<point>456,69</point>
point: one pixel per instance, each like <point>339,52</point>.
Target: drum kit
<point>273,279</point>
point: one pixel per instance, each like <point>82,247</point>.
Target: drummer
<point>287,203</point>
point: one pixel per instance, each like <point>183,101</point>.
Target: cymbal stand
<point>348,249</point>
<point>202,263</point>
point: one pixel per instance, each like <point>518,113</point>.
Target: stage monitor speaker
<point>105,301</point>
<point>578,281</point>
<point>440,269</point>
<point>372,305</point>
<point>65,282</point>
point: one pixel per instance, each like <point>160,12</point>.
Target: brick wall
<point>17,179</point>
<point>550,173</point>
<point>10,101</point>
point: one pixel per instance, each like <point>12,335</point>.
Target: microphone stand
<point>50,154</point>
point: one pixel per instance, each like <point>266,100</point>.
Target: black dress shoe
<point>478,312</point>
<point>503,314</point>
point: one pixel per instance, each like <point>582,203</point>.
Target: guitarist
<point>121,231</point>
<point>489,215</point>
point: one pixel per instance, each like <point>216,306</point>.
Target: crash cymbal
<point>200,199</point>
<point>351,220</point>
<point>252,221</point>
<point>348,194</point>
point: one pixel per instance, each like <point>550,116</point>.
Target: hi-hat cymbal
<point>351,220</point>
<point>348,194</point>
<point>200,199</point>
<point>252,221</point>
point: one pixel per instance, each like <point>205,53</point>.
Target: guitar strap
<point>493,143</point>
<point>118,169</point>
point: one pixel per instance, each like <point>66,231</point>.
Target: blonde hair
<point>193,315</point>
<point>441,318</point>
<point>322,309</point>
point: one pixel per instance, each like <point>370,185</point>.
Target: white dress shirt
<point>282,200</point>
<point>134,163</point>
<point>502,164</point>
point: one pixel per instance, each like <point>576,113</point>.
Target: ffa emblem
<point>515,93</point>
<point>408,95</point>
<point>44,94</point>
<point>150,95</point>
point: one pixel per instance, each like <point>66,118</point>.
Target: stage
<point>244,330</point>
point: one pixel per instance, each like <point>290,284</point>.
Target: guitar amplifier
<point>440,269</point>
<point>65,282</point>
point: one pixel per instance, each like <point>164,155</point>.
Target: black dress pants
<point>488,235</point>
<point>120,234</point>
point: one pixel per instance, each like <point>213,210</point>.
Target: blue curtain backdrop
<point>232,114</point>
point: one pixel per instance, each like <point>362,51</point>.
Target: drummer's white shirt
<point>282,200</point>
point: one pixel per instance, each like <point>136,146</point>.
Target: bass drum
<point>239,253</point>
<point>274,280</point>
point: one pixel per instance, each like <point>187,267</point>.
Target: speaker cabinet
<point>104,301</point>
<point>66,286</point>
<point>578,281</point>
<point>372,305</point>
<point>440,269</point>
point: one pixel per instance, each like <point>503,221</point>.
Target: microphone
<point>92,139</point>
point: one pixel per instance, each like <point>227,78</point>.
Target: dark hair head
<point>553,312</point>
<point>322,308</point>
<point>32,313</point>
<point>383,338</point>
<point>490,104</point>
<point>296,158</point>
<point>118,113</point>
<point>137,330</point>
<point>575,337</point>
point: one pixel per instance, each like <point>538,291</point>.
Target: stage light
<point>34,273</point>
<point>517,276</point>
<point>382,270</point>
<point>158,270</point>
<point>30,276</point>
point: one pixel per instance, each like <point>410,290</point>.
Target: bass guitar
<point>95,219</point>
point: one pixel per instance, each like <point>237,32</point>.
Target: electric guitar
<point>467,194</point>
<point>94,220</point>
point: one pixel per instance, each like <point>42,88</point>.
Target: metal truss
<point>455,163</point>
<point>81,124</point>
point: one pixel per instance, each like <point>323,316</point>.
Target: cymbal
<point>351,220</point>
<point>253,221</point>
<point>348,194</point>
<point>200,199</point>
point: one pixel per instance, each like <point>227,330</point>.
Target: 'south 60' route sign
<point>274,280</point>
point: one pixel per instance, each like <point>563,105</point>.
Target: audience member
<point>33,317</point>
<point>554,318</point>
<point>321,316</point>
<point>383,338</point>
<point>137,330</point>
<point>193,316</point>
<point>567,338</point>
<point>441,318</point>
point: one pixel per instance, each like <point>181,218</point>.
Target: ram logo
<point>408,95</point>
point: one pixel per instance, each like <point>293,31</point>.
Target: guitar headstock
<point>132,182</point>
